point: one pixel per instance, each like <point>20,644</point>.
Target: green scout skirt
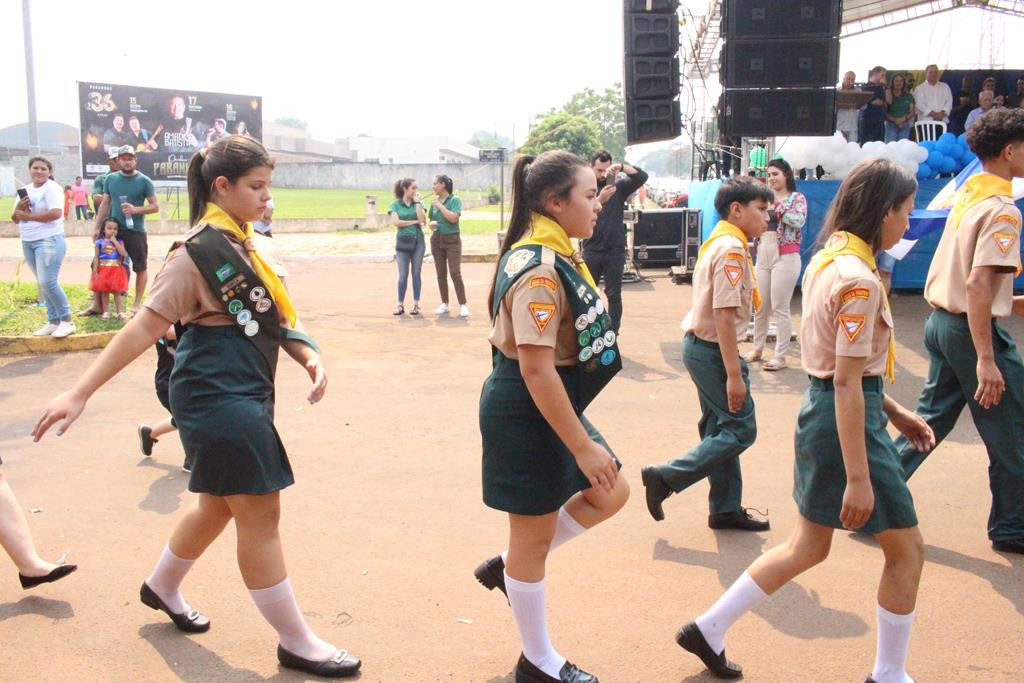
<point>819,477</point>
<point>222,399</point>
<point>527,470</point>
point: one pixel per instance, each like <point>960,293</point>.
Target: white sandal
<point>752,356</point>
<point>777,363</point>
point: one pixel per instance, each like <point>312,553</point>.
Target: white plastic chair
<point>929,130</point>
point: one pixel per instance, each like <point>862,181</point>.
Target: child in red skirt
<point>108,276</point>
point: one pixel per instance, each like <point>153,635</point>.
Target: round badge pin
<point>591,366</point>
<point>591,315</point>
<point>584,338</point>
<point>234,306</point>
<point>609,338</point>
<point>586,354</point>
<point>262,306</point>
<point>598,345</point>
<point>244,316</point>
<point>257,293</point>
<point>596,331</point>
<point>599,306</point>
<point>251,328</point>
<point>608,357</point>
<point>582,322</point>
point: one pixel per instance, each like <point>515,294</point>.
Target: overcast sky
<point>392,68</point>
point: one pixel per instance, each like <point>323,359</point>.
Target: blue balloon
<point>948,165</point>
<point>924,172</point>
<point>928,145</point>
<point>962,139</point>
<point>935,159</point>
<point>948,137</point>
<point>944,144</point>
<point>958,152</point>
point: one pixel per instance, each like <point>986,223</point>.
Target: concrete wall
<point>356,175</point>
<point>65,168</point>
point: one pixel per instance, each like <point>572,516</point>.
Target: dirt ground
<point>386,523</point>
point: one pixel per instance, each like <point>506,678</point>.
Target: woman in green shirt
<point>899,110</point>
<point>446,243</point>
<point>408,217</point>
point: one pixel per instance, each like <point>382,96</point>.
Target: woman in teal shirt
<point>446,243</point>
<point>408,217</point>
<point>899,110</point>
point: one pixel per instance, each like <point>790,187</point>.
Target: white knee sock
<point>277,605</point>
<point>566,529</point>
<point>527,601</point>
<point>742,596</point>
<point>893,642</point>
<point>166,580</point>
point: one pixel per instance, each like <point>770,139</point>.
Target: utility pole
<point>30,79</point>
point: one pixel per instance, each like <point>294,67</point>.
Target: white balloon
<point>920,154</point>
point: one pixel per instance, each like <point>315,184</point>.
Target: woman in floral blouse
<point>778,263</point>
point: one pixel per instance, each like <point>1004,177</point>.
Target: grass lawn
<point>19,315</point>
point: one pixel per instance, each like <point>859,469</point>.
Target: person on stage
<point>847,472</point>
<point>605,251</point>
<point>553,350</point>
<point>236,316</point>
<point>724,294</point>
<point>973,360</point>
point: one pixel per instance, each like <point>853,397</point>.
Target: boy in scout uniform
<point>724,296</point>
<point>974,361</point>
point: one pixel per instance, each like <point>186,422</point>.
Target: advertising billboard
<point>166,127</point>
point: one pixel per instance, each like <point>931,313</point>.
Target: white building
<point>409,150</point>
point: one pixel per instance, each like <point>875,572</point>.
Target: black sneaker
<point>146,439</point>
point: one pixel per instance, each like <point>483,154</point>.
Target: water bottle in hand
<point>127,218</point>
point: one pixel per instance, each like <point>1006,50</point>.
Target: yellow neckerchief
<point>846,243</point>
<point>217,217</point>
<point>977,189</point>
<point>727,229</point>
<point>548,233</point>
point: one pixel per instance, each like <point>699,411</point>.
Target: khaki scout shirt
<point>722,279</point>
<point>989,235</point>
<point>535,311</point>
<point>844,315</point>
<point>180,292</point>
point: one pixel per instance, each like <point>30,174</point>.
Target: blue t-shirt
<point>136,187</point>
<point>874,112</point>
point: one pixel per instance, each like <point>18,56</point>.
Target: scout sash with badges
<point>727,229</point>
<point>975,190</point>
<point>598,355</point>
<point>842,243</point>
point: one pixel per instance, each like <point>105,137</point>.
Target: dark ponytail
<point>534,179</point>
<point>400,186</point>
<point>232,157</point>
<point>871,189</point>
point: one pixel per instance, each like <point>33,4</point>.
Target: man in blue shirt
<point>125,198</point>
<point>872,116</point>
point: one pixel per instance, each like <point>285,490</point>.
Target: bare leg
<point>807,546</point>
<point>200,526</point>
<point>117,302</point>
<point>904,559</point>
<point>162,427</point>
<point>592,506</point>
<point>529,539</point>
<point>15,536</point>
<point>104,301</point>
<point>140,289</point>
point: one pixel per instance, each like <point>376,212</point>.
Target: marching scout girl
<point>553,350</point>
<point>233,316</point>
<point>970,286</point>
<point>724,296</point>
<point>847,472</point>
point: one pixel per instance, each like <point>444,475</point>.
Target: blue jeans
<point>413,261</point>
<point>44,258</point>
<point>894,132</point>
<point>81,212</point>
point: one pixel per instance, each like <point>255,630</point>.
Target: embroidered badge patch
<point>852,324</point>
<point>543,282</point>
<point>1007,218</point>
<point>517,261</point>
<point>1004,240</point>
<point>735,257</point>
<point>855,293</point>
<point>734,273</point>
<point>541,314</point>
<point>225,271</point>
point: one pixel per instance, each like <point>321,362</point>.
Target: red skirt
<point>109,279</point>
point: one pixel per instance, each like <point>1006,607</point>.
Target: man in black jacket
<point>605,252</point>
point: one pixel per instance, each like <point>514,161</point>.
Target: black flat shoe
<point>656,491</point>
<point>1015,545</point>
<point>56,575</point>
<point>526,672</point>
<point>340,665</point>
<point>692,640</point>
<point>189,622</point>
<point>741,519</point>
<point>146,439</point>
<point>869,680</point>
<point>491,574</point>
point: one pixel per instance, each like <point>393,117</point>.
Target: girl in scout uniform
<point>553,350</point>
<point>233,315</point>
<point>847,472</point>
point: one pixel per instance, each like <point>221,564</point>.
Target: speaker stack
<point>780,65</point>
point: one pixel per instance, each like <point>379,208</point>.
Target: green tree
<point>575,134</point>
<point>291,122</point>
<point>607,110</point>
<point>486,140</point>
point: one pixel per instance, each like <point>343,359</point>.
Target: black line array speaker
<point>784,63</point>
<point>765,113</point>
<point>652,77</point>
<point>779,18</point>
<point>651,70</point>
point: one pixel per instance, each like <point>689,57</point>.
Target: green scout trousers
<point>724,435</point>
<point>951,383</point>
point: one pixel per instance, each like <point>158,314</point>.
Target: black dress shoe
<point>58,573</point>
<point>146,439</point>
<point>190,622</point>
<point>526,672</point>
<point>741,519</point>
<point>656,491</point>
<point>1015,545</point>
<point>869,680</point>
<point>491,574</point>
<point>339,665</point>
<point>692,640</point>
